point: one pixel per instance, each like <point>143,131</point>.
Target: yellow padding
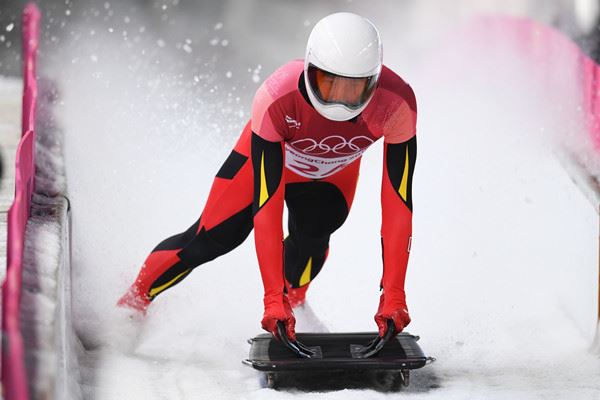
<point>404,183</point>
<point>264,193</point>
<point>153,292</point>
<point>305,278</point>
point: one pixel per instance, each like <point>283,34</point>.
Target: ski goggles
<point>331,88</point>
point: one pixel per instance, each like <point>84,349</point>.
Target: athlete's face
<point>332,88</point>
<point>337,89</point>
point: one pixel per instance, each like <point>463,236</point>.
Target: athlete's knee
<point>221,239</point>
<point>316,209</point>
<point>180,240</point>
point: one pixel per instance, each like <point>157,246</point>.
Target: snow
<point>502,279</point>
<point>50,348</point>
<point>38,303</point>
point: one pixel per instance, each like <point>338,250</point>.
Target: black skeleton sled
<point>389,358</point>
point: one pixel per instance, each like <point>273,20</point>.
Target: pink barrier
<point>555,60</point>
<point>31,35</point>
<point>14,377</point>
<point>591,88</point>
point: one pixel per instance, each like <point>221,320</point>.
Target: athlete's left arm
<point>400,153</point>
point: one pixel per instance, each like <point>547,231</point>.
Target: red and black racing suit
<point>289,152</point>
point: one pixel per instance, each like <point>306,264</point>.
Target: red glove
<point>277,308</point>
<point>394,309</point>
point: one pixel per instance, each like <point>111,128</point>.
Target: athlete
<point>311,121</point>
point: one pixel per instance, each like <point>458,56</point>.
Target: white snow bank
<point>46,321</point>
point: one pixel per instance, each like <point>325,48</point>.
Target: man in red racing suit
<point>289,152</point>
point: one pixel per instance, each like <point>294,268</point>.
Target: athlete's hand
<point>394,309</point>
<point>277,308</point>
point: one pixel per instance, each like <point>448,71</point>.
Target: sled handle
<point>295,346</point>
<point>376,344</point>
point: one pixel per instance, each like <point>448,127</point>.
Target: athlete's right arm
<point>267,157</point>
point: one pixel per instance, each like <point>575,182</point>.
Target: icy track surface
<point>502,276</point>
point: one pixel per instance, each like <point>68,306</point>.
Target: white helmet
<point>342,65</point>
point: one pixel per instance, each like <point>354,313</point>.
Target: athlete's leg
<point>225,223</point>
<point>316,210</point>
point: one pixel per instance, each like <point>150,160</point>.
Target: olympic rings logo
<point>335,144</point>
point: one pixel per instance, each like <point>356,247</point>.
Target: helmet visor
<point>331,88</point>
